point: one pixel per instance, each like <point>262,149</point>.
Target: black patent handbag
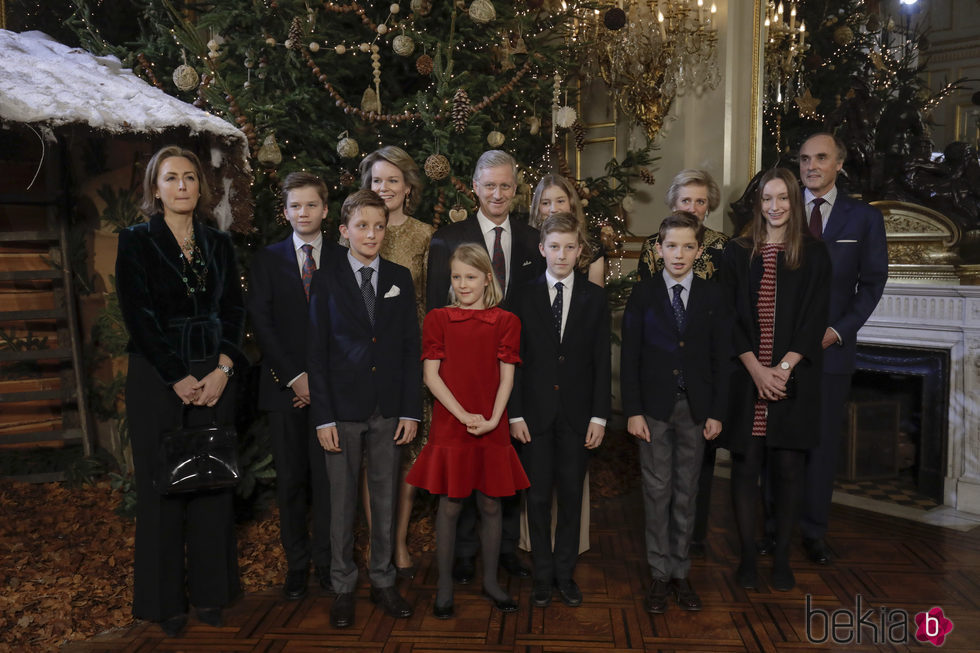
<point>197,458</point>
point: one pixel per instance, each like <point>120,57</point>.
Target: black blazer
<point>654,351</point>
<point>166,324</point>
<point>526,263</point>
<point>355,367</point>
<point>802,298</point>
<point>569,379</point>
<point>279,311</point>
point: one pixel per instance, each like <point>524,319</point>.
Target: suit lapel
<point>386,283</point>
<point>542,302</point>
<point>351,290</point>
<point>577,302</point>
<point>290,268</point>
<point>660,289</point>
<point>838,217</point>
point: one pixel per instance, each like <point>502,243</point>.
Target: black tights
<point>785,467</point>
<point>490,529</point>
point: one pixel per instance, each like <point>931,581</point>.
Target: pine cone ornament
<point>461,110</point>
<point>347,178</point>
<point>424,65</point>
<point>578,129</point>
<point>436,167</point>
<point>293,41</point>
<point>647,176</point>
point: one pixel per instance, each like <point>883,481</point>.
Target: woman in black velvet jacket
<point>181,299</point>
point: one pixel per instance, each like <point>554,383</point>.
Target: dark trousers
<point>301,488</point>
<point>821,461</point>
<point>184,543</point>
<point>374,439</point>
<point>671,464</point>
<point>554,458</point>
<point>703,502</point>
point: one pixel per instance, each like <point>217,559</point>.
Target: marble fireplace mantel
<point>946,318</point>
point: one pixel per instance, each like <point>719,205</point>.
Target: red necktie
<point>309,267</point>
<point>499,267</point>
<point>816,218</point>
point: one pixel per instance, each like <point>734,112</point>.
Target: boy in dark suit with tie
<point>674,380</point>
<point>560,402</point>
<point>365,394</point>
<point>278,305</point>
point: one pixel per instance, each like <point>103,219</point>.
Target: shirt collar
<point>829,197</point>
<point>567,281</point>
<point>686,281</point>
<point>487,225</point>
<point>316,242</point>
<point>356,265</point>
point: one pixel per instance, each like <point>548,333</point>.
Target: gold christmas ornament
<point>370,101</point>
<point>843,35</point>
<point>807,104</point>
<point>495,139</point>
<point>533,125</point>
<point>457,213</point>
<point>347,147</point>
<point>436,167</point>
<point>185,77</point>
<point>403,45</point>
<point>482,11</point>
<point>629,203</point>
<point>421,7</point>
<point>269,154</point>
<point>314,46</point>
<point>565,117</point>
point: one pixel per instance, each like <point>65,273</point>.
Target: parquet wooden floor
<point>889,563</point>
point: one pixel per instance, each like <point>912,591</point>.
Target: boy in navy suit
<point>560,402</point>
<point>278,305</point>
<point>674,380</point>
<point>365,394</point>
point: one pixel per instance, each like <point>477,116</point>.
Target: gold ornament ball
<point>269,154</point>
<point>382,29</point>
<point>394,8</point>
<point>270,41</point>
<point>436,167</point>
<point>347,148</point>
<point>421,7</point>
<point>340,49</point>
<point>185,77</point>
<point>365,47</point>
<point>403,45</point>
<point>843,35</point>
<point>314,46</point>
<point>495,139</point>
<point>482,11</point>
<point>289,44</point>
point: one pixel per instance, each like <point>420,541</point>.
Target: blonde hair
<point>151,205</point>
<point>693,177</point>
<point>401,159</point>
<point>475,256</point>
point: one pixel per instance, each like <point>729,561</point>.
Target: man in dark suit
<point>278,305</point>
<point>855,236</point>
<point>513,249</point>
<point>365,395</point>
<point>674,376</point>
<point>560,402</point>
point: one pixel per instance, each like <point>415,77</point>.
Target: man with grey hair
<point>513,249</point>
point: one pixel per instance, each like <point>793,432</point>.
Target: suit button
<point>561,359</point>
<point>556,386</point>
<point>681,343</point>
<point>676,372</point>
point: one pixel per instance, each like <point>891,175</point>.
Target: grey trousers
<point>374,439</point>
<point>671,465</point>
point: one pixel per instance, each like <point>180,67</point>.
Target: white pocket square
<point>526,263</point>
<point>394,291</point>
<point>846,241</point>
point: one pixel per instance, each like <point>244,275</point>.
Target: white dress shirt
<point>685,283</point>
<point>301,255</point>
<point>487,227</point>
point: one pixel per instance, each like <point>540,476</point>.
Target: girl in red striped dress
<point>780,281</point>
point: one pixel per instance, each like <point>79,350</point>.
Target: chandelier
<point>785,42</point>
<point>648,53</point>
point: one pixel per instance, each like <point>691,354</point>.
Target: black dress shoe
<point>391,602</point>
<point>209,616</point>
<point>766,546</point>
<point>684,594</point>
<point>746,575</point>
<point>569,592</point>
<point>513,565</point>
<point>443,611</point>
<point>174,626</point>
<point>816,551</point>
<point>783,579</point>
<point>541,594</point>
<point>464,569</point>
<point>295,586</point>
<point>656,600</point>
<point>695,550</point>
<point>504,605</point>
<point>342,610</point>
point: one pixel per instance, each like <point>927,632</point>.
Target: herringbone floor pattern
<point>891,564</point>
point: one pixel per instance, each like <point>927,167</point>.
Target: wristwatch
<point>783,366</point>
<point>229,371</point>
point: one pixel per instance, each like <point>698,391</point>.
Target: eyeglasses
<point>492,188</point>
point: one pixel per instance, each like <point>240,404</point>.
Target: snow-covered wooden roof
<point>48,84</point>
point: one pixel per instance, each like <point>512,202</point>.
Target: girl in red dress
<point>469,351</point>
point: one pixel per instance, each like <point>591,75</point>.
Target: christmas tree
<point>316,85</point>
